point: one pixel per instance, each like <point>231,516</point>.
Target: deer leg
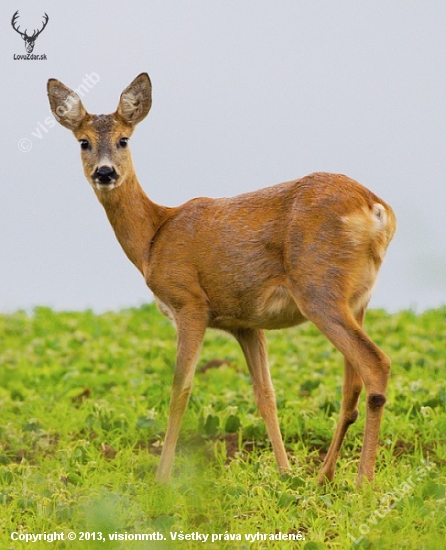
<point>366,359</point>
<point>349,413</point>
<point>351,390</point>
<point>373,366</point>
<point>191,330</point>
<point>254,348</point>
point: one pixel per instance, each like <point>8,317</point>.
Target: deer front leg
<point>191,328</point>
<point>253,344</point>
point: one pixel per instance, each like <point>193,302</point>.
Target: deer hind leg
<point>253,344</point>
<point>368,363</point>
<point>351,391</point>
<point>348,415</point>
<point>191,328</point>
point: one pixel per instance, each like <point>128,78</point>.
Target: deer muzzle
<point>105,175</point>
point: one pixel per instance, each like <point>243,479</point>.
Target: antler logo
<point>29,40</point>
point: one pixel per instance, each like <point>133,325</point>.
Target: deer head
<point>103,138</point>
<point>29,40</point>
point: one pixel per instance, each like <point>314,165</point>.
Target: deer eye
<point>123,142</point>
<point>84,144</point>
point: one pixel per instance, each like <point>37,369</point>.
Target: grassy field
<point>84,402</point>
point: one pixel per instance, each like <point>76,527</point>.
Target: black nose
<point>105,174</point>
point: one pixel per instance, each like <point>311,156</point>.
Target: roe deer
<point>307,249</point>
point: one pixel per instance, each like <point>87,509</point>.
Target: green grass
<point>84,402</point>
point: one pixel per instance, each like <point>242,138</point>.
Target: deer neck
<point>134,217</point>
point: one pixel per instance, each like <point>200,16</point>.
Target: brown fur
<point>308,249</point>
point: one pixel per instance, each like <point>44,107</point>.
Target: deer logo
<point>29,40</point>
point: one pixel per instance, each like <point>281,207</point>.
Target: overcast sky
<point>245,94</point>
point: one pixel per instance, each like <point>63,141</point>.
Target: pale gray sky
<point>245,94</point>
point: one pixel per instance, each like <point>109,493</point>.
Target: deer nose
<point>105,174</point>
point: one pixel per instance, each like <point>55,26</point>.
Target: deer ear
<point>136,100</point>
<point>65,105</point>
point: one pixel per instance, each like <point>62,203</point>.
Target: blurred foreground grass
<point>84,402</point>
